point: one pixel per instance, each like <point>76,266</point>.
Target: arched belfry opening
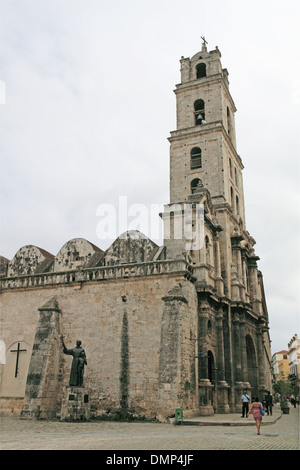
<point>199,110</point>
<point>201,70</point>
<point>194,184</point>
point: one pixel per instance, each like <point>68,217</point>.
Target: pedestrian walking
<point>269,403</point>
<point>293,402</point>
<point>245,404</point>
<point>257,410</point>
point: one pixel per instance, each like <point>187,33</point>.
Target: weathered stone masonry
<point>178,325</point>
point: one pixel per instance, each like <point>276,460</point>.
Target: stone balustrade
<point>98,273</point>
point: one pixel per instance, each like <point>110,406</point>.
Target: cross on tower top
<point>204,43</point>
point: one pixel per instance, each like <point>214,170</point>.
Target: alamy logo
<point>177,222</point>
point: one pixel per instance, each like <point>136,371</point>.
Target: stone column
<point>261,362</point>
<point>237,355</point>
<point>245,280</point>
<point>235,285</point>
<point>237,348</point>
<point>240,270</point>
<point>243,348</point>
<point>220,348</point>
<point>219,282</point>
<point>205,386</point>
<point>204,310</point>
<point>43,380</point>
<point>222,385</point>
<point>255,296</point>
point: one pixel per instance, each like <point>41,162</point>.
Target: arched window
<point>207,247</point>
<point>196,158</point>
<point>194,185</point>
<point>199,110</point>
<point>201,70</point>
<point>231,197</point>
<point>206,241</point>
<point>228,121</point>
<point>237,207</point>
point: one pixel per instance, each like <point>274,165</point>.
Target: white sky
<point>89,105</point>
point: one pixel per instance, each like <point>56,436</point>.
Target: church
<point>182,325</point>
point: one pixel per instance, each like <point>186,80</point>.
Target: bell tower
<point>206,174</point>
<point>204,224</point>
<point>203,147</point>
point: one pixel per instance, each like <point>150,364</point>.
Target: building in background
<point>294,360</point>
<point>281,368</point>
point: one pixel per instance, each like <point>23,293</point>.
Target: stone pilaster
<point>169,381</point>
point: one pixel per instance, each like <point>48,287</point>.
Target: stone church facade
<point>182,325</point>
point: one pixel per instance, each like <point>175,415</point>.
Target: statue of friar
<point>78,363</point>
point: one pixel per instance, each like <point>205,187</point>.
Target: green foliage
<point>283,388</point>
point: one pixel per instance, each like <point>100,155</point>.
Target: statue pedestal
<point>75,404</point>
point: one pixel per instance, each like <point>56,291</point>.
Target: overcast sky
<point>87,88</point>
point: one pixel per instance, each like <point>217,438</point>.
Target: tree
<point>283,388</point>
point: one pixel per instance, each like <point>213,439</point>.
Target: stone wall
<point>95,312</point>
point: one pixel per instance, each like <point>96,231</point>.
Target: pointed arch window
<point>199,110</point>
<point>196,158</point>
<point>201,70</point>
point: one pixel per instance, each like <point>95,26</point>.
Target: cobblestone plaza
<point>279,432</point>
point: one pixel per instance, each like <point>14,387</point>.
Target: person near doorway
<point>245,404</point>
<point>269,403</point>
<point>256,408</point>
